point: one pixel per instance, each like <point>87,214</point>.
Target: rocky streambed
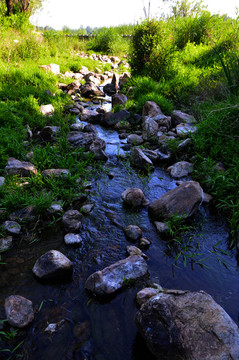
<point>73,295</point>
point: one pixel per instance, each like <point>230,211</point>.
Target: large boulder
<point>151,109</point>
<point>118,99</point>
<point>89,89</point>
<point>52,265</point>
<point>111,119</point>
<point>81,139</point>
<point>21,168</point>
<point>179,117</point>
<point>140,160</point>
<point>19,311</point>
<point>116,276</point>
<point>181,201</point>
<point>193,323</point>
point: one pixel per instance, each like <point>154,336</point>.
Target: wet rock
<point>52,328</point>
<point>52,265</point>
<point>145,294</point>
<point>116,276</point>
<point>72,239</point>
<point>140,160</point>
<point>48,133</point>
<point>184,130</point>
<point>55,208</point>
<point>27,214</point>
<point>87,208</point>
<point>134,197</point>
<point>5,243</point>
<point>180,169</point>
<point>161,227</point>
<point>72,220</point>
<point>109,89</point>
<point>144,243</point>
<point>47,109</point>
<point>19,311</point>
<point>133,232</point>
<point>119,99</point>
<point>133,250</point>
<point>179,117</point>
<point>89,89</point>
<point>184,200</point>
<point>81,140</point>
<point>111,119</point>
<point>12,227</point>
<point>55,173</point>
<point>151,109</point>
<point>150,129</point>
<point>89,128</point>
<point>21,168</point>
<point>135,139</point>
<point>97,149</point>
<point>76,127</point>
<point>193,323</point>
<point>152,155</point>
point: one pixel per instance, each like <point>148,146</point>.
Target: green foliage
<point>108,41</point>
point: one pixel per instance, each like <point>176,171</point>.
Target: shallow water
<point>106,331</point>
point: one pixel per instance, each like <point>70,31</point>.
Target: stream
<point>99,330</point>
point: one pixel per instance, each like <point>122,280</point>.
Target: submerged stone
<point>19,311</point>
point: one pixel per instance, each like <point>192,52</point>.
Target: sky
<point>99,13</point>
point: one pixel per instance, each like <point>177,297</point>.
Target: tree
<point>184,8</point>
<point>20,6</point>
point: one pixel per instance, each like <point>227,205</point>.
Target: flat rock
<point>52,265</point>
<point>114,277</point>
<point>55,173</point>
<point>134,197</point>
<point>180,169</point>
<point>181,201</point>
<point>72,239</point>
<point>12,227</point>
<point>19,311</point>
<point>179,117</point>
<point>193,323</point>
<point>72,220</point>
<point>81,140</point>
<point>21,168</point>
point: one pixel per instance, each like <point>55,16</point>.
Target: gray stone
<point>134,197</point>
<point>152,155</point>
<point>133,232</point>
<point>97,149</point>
<point>163,121</point>
<point>119,99</point>
<point>72,239</point>
<point>151,109</point>
<point>56,173</point>
<point>77,127</point>
<point>19,311</point>
<point>89,89</point>
<point>135,139</point>
<point>184,130</point>
<point>72,220</point>
<point>52,265</point>
<point>21,168</point>
<point>87,208</point>
<point>180,169</point>
<point>27,214</point>
<point>47,109</point>
<point>2,181</point>
<point>144,242</point>
<point>5,243</point>
<point>179,117</point>
<point>111,119</point>
<point>193,323</point>
<point>116,276</point>
<point>48,133</point>
<point>81,140</point>
<point>181,201</point>
<point>150,129</point>
<point>140,160</point>
<point>184,144</point>
<point>89,128</point>
<point>12,227</point>
<point>134,250</point>
<point>161,227</point>
<point>55,208</point>
<point>145,294</point>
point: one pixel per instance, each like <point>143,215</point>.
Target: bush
<point>108,41</point>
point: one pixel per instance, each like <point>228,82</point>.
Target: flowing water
<point>105,330</point>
